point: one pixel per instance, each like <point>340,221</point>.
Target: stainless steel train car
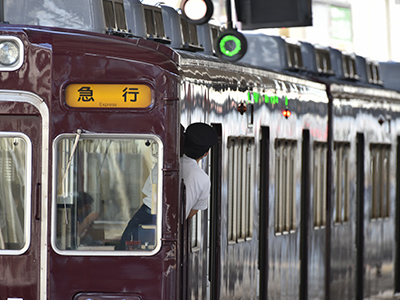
<point>304,176</point>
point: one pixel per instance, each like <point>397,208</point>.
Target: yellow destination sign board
<point>108,95</point>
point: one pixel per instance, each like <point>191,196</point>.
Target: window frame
<point>159,196</point>
<point>27,193</point>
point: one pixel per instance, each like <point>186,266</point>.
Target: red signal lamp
<point>286,113</point>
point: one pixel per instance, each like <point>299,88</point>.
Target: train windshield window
<point>107,191</point>
<point>15,157</point>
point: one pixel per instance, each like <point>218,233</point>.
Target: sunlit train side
<point>364,136</point>
<point>303,201</point>
<point>356,197</point>
<point>248,106</point>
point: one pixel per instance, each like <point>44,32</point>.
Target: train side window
<point>101,182</point>
<point>319,194</point>
<point>380,174</point>
<point>285,186</point>
<point>241,179</point>
<point>15,191</point>
<point>342,182</point>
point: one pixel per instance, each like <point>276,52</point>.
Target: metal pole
<point>1,11</point>
<point>229,14</point>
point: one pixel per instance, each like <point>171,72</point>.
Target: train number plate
<point>108,95</point>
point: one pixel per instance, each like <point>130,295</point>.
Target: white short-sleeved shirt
<point>147,187</point>
<point>197,184</point>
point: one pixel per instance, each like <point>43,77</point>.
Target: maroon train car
<point>86,113</point>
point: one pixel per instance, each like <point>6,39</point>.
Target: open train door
<point>214,251</point>
<point>23,219</point>
<point>203,248</point>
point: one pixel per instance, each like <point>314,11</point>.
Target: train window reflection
<point>107,191</point>
<point>15,157</point>
<point>285,186</point>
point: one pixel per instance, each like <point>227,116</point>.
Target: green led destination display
<point>272,99</point>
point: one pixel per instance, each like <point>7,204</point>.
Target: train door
<point>305,215</point>
<point>22,213</point>
<point>214,251</point>
<point>360,218</point>
<point>264,213</point>
<point>203,253</point>
<point>397,223</point>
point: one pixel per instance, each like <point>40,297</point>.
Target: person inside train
<point>199,138</point>
<point>142,217</point>
<point>85,218</point>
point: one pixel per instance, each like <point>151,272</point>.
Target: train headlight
<point>11,53</point>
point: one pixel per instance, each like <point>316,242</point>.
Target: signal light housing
<point>231,45</point>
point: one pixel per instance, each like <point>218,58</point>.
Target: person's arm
<point>192,213</point>
<point>86,223</point>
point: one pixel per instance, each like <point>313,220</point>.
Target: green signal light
<point>227,42</point>
<point>230,45</point>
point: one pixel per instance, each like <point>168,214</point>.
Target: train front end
<point>89,138</point>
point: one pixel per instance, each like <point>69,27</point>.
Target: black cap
<point>199,137</point>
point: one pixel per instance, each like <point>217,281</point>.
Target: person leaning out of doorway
<point>199,138</point>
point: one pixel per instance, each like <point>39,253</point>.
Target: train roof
<point>100,44</point>
<point>175,37</point>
